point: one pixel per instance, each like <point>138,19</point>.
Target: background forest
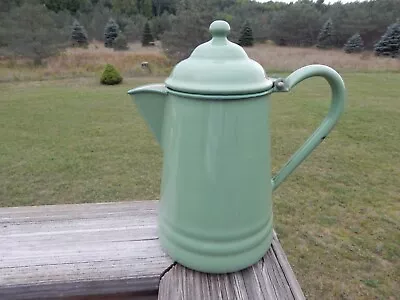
<point>181,25</point>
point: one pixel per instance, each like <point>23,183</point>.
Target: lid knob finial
<point>219,28</point>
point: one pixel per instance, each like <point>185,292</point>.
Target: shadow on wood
<point>270,278</point>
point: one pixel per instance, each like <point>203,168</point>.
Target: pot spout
<point>150,100</point>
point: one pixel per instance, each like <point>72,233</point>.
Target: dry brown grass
<point>90,62</point>
<point>96,56</point>
<point>290,58</point>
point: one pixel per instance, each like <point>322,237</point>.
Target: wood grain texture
<point>79,250</point>
<point>271,279</point>
<point>87,251</point>
<point>128,296</point>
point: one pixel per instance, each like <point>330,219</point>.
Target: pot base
<point>216,257</point>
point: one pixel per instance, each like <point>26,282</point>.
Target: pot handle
<point>337,105</point>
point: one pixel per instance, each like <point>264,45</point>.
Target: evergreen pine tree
<point>120,42</point>
<point>354,44</point>
<point>110,33</point>
<point>326,38</point>
<point>246,36</point>
<point>389,45</point>
<point>78,35</point>
<point>147,37</point>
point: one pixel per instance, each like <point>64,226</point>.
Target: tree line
<point>183,24</point>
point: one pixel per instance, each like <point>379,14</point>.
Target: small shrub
<point>120,43</point>
<point>110,76</point>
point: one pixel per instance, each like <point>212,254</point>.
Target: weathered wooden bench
<point>111,251</point>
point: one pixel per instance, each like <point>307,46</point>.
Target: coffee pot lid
<point>219,67</point>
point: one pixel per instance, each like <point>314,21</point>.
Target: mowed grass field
<point>337,215</point>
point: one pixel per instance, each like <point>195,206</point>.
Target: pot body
<point>215,211</point>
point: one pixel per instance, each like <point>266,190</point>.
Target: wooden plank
<point>129,296</point>
<point>286,268</point>
<point>271,278</point>
<point>75,250</point>
<point>86,251</point>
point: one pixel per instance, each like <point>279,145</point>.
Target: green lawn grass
<point>338,214</point>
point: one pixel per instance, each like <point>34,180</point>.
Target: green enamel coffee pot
<point>211,119</point>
